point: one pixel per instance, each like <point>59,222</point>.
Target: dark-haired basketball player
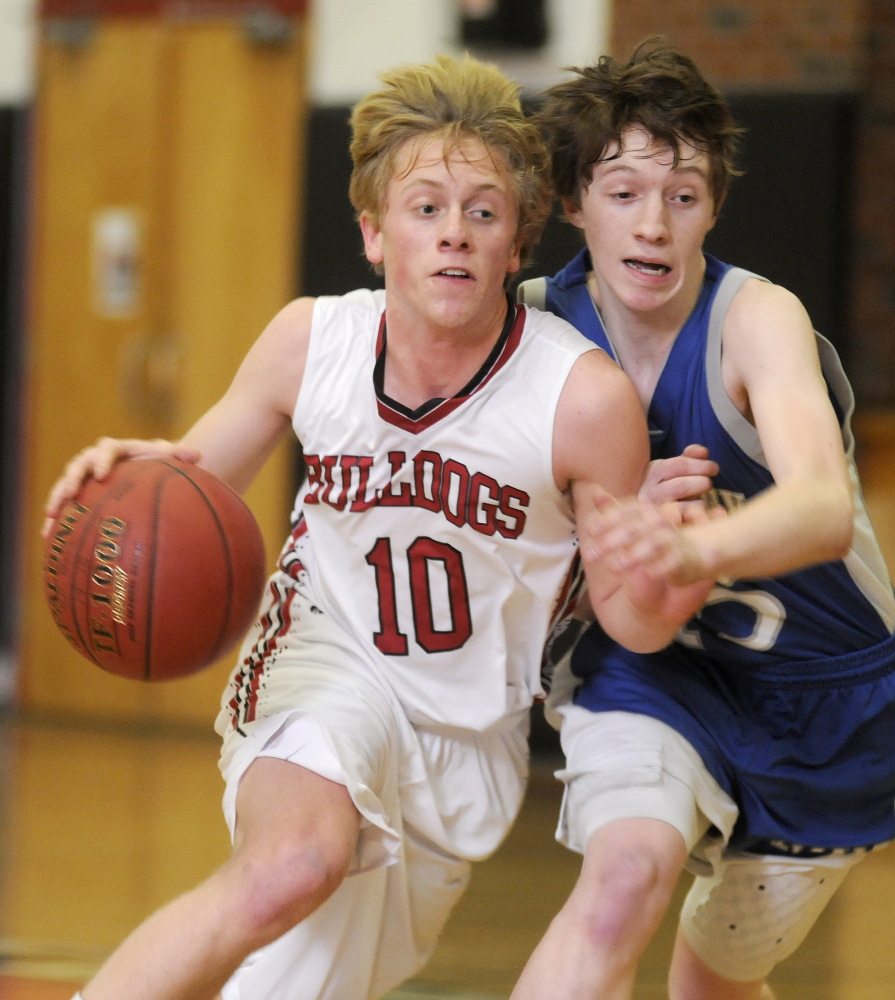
<point>757,748</point>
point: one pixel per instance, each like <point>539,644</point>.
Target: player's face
<point>446,235</point>
<point>645,221</point>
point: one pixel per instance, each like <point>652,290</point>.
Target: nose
<point>652,222</point>
<point>454,233</point>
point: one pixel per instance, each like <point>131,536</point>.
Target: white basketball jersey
<point>438,541</point>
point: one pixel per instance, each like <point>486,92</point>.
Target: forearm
<point>235,441</point>
<point>635,630</point>
<point>786,528</point>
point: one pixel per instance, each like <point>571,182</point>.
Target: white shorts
<point>744,912</point>
<point>429,802</point>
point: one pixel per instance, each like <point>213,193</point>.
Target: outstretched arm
<point>601,452</point>
<point>772,373</point>
<point>236,436</point>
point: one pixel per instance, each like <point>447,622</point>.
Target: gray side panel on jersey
<point>730,418</point>
<point>533,293</point>
<point>864,563</point>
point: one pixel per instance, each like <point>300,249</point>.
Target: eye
<point>623,195</point>
<point>685,199</point>
<point>426,209</point>
<point>484,213</point>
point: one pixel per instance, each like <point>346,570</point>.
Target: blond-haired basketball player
<point>375,726</point>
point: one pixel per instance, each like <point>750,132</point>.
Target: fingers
<point>694,512</point>
<point>675,489</point>
<point>632,536</point>
<point>186,453</point>
<point>96,461</point>
<point>680,478</point>
<point>625,533</point>
<point>654,552</point>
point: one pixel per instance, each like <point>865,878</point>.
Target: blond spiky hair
<point>458,99</point>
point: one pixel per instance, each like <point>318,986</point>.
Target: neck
<point>643,338</point>
<point>647,330</point>
<point>426,361</point>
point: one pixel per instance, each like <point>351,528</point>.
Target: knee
<point>618,893</point>
<point>626,882</point>
<point>279,886</point>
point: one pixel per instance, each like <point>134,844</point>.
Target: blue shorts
<point>806,750</point>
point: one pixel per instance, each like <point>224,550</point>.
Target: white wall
<point>16,50</point>
<point>356,39</point>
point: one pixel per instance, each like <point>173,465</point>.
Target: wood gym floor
<point>100,826</point>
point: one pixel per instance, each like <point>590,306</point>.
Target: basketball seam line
<point>225,545</point>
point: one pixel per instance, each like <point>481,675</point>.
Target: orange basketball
<point>156,571</point>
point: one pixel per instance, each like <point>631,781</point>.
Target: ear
<point>372,235</point>
<point>572,213</point>
<point>515,262</point>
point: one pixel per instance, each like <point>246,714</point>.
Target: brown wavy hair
<point>659,90</point>
<point>458,99</point>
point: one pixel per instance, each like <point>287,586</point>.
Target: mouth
<point>652,268</point>
<point>454,272</point>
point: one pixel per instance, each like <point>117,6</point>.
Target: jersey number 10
<point>421,553</point>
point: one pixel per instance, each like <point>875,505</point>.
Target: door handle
<point>149,376</point>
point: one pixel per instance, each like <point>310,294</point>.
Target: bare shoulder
<point>768,339</point>
<point>600,426</point>
<point>761,305</point>
<point>292,324</point>
<point>596,384</point>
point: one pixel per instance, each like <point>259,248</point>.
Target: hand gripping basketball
<point>156,571</point>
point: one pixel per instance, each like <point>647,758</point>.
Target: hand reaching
<point>96,462</point>
<point>680,481</point>
<point>659,567</point>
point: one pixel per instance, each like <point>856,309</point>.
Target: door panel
<point>180,140</point>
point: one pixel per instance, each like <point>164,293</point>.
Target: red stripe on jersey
<point>405,423</point>
<point>289,561</point>
<point>380,334</point>
<point>562,615</point>
<point>275,623</point>
<point>568,593</point>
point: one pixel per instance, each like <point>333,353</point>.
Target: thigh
<point>622,766</point>
<point>319,705</point>
<point>376,930</point>
<point>756,911</point>
<point>280,802</point>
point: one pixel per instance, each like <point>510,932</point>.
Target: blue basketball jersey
<point>825,610</point>
<point>785,686</point>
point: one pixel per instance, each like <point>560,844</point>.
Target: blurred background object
<point>165,164</point>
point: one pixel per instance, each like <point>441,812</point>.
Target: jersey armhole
<point>533,293</point>
<point>323,306</point>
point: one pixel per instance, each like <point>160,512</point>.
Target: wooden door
<point>165,189</point>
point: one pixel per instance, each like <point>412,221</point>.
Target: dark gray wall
<point>13,202</point>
